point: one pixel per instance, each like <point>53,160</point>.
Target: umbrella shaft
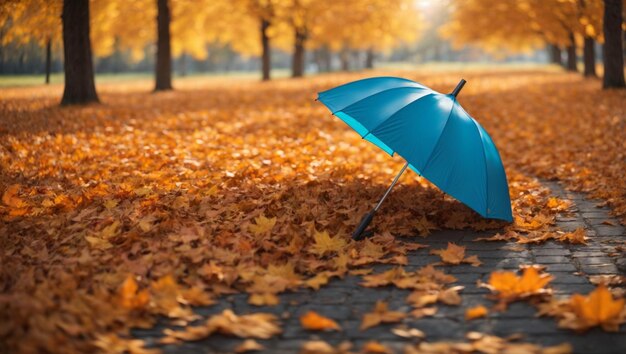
<point>395,180</point>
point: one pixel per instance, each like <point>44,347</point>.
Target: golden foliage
<point>168,188</point>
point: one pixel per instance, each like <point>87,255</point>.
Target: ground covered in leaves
<point>147,204</point>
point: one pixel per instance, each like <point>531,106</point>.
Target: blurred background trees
<point>183,37</point>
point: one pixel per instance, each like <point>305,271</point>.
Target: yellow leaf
<point>110,230</point>
<point>263,225</point>
<point>98,243</point>
<point>323,243</point>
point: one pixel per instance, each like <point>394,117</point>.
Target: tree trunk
<point>327,59</point>
<point>80,87</point>
<point>266,57</point>
<point>344,58</point>
<point>555,54</point>
<point>369,59</point>
<point>571,54</point>
<point>589,57</point>
<point>297,63</point>
<point>164,52</point>
<point>613,54</point>
<point>48,59</point>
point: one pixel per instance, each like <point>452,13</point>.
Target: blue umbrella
<point>433,133</point>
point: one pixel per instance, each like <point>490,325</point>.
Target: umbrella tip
<point>458,87</point>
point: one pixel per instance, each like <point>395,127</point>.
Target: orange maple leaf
<point>324,243</point>
<point>598,309</point>
<point>454,254</point>
<point>315,322</point>
<point>381,314</point>
<point>263,225</point>
<point>509,286</point>
<point>10,197</point>
<point>130,297</point>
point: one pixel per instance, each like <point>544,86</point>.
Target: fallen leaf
<point>476,312</point>
<point>130,296</point>
<point>508,286</point>
<point>598,309</point>
<point>249,345</point>
<point>375,348</point>
<point>263,225</point>
<point>315,322</point>
<point>406,332</point>
<point>323,243</point>
<point>381,314</point>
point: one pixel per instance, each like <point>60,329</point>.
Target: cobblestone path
<point>346,302</point>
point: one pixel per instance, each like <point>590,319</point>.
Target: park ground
<point>143,221</point>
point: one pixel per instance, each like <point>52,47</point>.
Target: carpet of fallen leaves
<point>147,203</point>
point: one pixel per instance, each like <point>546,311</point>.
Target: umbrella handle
<point>458,87</point>
<point>365,221</point>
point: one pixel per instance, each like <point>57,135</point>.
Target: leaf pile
<point>146,204</point>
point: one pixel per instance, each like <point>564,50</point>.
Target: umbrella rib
<point>378,93</point>
<point>369,131</point>
<point>439,138</point>
<point>482,143</point>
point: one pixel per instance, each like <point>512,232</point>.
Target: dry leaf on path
<point>508,286</point>
<point>314,321</point>
<point>455,255</point>
<point>374,347</point>
<point>249,345</point>
<point>476,312</point>
<point>255,325</point>
<point>381,314</point>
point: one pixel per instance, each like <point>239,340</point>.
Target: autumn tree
<point>368,26</point>
<point>163,67</point>
<point>34,20</point>
<point>265,12</point>
<point>529,24</point>
<point>613,52</point>
<point>79,75</point>
<point>300,15</point>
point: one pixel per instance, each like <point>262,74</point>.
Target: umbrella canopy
<point>432,132</point>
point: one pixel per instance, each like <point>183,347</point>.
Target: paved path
<point>345,301</point>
